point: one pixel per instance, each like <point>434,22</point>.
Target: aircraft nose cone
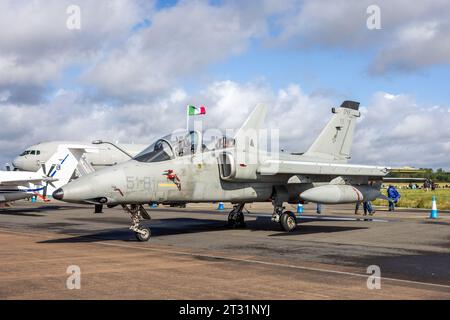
<point>17,163</point>
<point>58,194</point>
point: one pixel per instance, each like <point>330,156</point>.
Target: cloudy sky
<point>127,74</point>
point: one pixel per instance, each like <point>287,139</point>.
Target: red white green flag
<point>195,111</point>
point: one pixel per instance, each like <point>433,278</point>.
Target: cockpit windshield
<point>30,152</point>
<point>157,152</point>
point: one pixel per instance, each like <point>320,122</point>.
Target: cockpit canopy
<point>181,144</point>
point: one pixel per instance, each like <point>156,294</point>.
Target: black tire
<point>236,220</point>
<point>231,219</point>
<point>240,220</point>
<point>288,221</point>
<point>143,237</point>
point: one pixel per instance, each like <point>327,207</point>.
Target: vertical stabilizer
<point>247,136</point>
<point>62,164</point>
<point>335,141</point>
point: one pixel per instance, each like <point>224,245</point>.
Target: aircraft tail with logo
<point>60,167</point>
<point>335,141</point>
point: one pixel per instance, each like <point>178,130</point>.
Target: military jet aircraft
<point>182,167</point>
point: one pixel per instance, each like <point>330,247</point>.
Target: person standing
<point>367,207</point>
<point>357,207</point>
<point>426,185</point>
<point>393,196</point>
<point>319,208</point>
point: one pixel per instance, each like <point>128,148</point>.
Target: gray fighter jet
<point>183,167</point>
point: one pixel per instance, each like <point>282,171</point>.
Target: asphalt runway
<point>193,255</point>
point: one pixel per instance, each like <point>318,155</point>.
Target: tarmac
<point>193,255</point>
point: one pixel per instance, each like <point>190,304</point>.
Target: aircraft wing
<point>21,182</point>
<point>25,182</point>
<point>273,167</point>
<point>20,178</point>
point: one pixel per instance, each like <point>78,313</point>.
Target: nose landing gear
<point>236,217</point>
<point>137,212</point>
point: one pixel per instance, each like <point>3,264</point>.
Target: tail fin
<point>62,164</point>
<point>335,141</point>
<point>247,136</point>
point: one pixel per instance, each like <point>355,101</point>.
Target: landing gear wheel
<point>288,221</point>
<point>144,235</point>
<point>136,213</point>
<point>236,220</point>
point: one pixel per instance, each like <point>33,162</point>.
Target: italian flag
<point>195,111</point>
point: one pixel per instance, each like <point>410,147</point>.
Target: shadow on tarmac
<point>174,226</point>
<point>310,229</point>
<point>30,212</point>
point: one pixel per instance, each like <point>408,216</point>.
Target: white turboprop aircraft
<point>56,172</point>
<point>108,154</point>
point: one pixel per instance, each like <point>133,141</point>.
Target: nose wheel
<point>143,234</point>
<point>137,212</point>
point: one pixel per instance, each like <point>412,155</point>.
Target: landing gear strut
<point>286,219</point>
<point>98,208</point>
<point>236,217</point>
<point>137,212</point>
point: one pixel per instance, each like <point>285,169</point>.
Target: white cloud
<point>418,33</point>
<point>395,130</point>
<point>4,95</point>
<point>180,42</point>
<point>412,36</point>
<point>37,46</point>
<point>119,60</point>
<point>415,46</point>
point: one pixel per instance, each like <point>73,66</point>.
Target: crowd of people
<point>427,185</point>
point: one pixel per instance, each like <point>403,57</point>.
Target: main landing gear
<point>286,219</point>
<point>236,217</point>
<point>137,212</point>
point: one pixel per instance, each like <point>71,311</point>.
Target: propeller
<point>47,174</point>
